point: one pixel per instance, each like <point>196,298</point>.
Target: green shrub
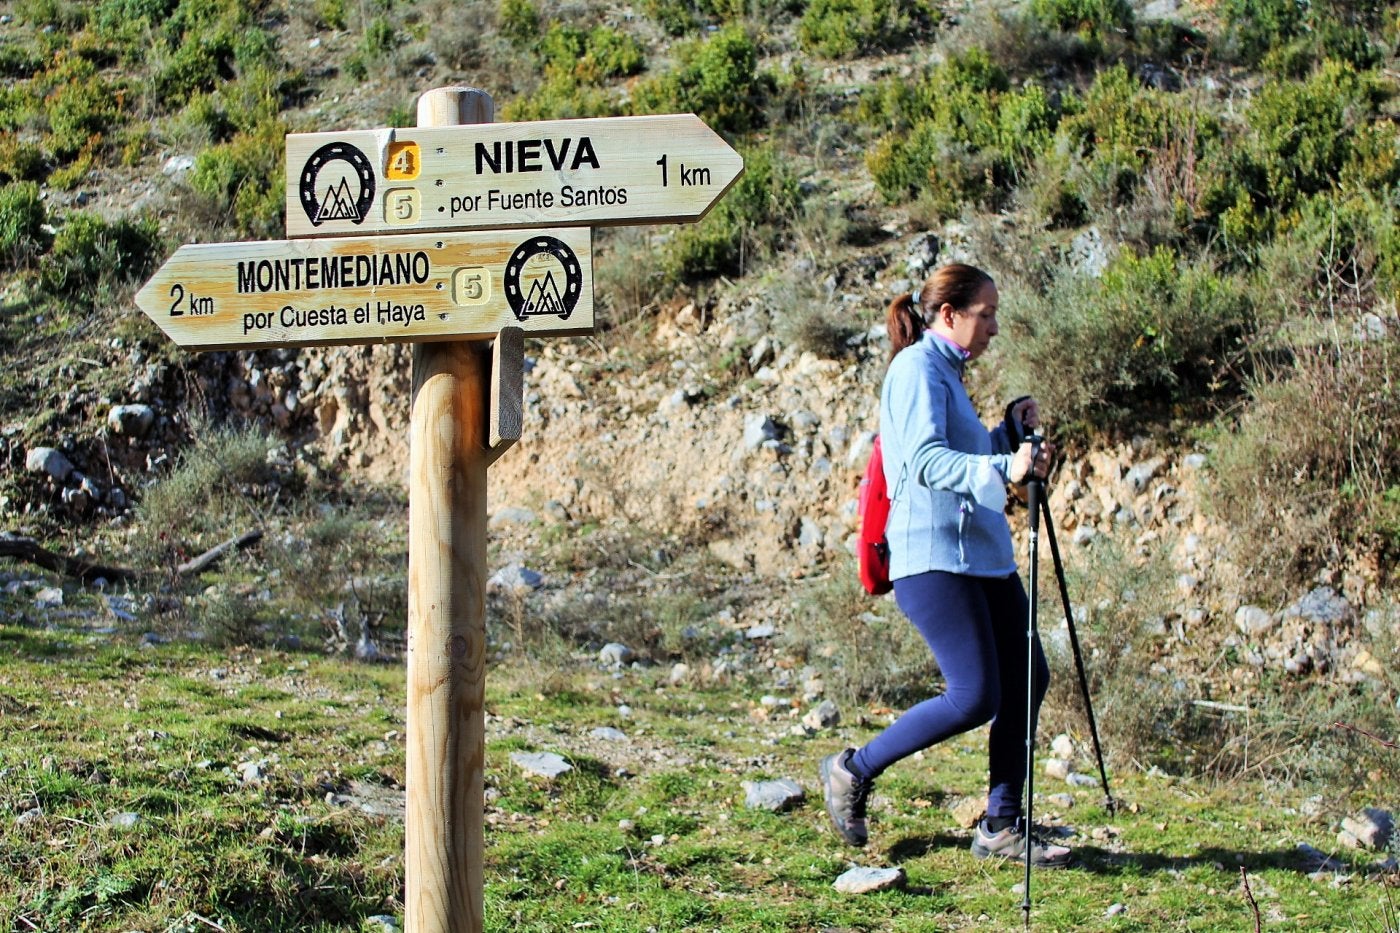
<point>114,16</point>
<point>245,177</point>
<point>18,60</point>
<point>717,78</point>
<point>21,161</point>
<point>675,17</point>
<point>379,39</point>
<point>60,14</point>
<point>562,96</point>
<point>1300,138</point>
<point>1289,37</point>
<point>1154,336</point>
<point>197,65</point>
<point>747,223</point>
<point>89,251</point>
<point>576,64</point>
<point>1303,132</point>
<point>959,134</point>
<point>591,55</point>
<point>22,219</point>
<point>518,20</point>
<point>81,106</point>
<point>19,106</point>
<point>331,14</point>
<point>612,54</point>
<point>843,28</point>
<point>954,95</point>
<point>1087,17</point>
<point>1118,120</point>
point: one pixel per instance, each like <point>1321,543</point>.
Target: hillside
<point>1190,209</point>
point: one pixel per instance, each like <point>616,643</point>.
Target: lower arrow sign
<point>451,286</point>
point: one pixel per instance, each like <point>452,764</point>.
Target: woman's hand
<point>1026,412</point>
<point>1023,466</point>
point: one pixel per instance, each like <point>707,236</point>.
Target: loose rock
<point>774,796</point>
<point>541,764</point>
<point>870,880</point>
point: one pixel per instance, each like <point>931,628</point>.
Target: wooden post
<point>446,751</point>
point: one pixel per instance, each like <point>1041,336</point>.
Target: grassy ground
<point>263,787</point>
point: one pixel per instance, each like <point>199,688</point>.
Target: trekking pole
<point>1109,803</point>
<point>1034,492</point>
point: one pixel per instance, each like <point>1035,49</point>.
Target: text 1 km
<point>691,176</point>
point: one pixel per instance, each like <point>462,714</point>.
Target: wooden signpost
<point>447,292</point>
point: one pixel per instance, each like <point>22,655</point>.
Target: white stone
<point>869,880</point>
<point>1252,620</point>
<point>541,764</point>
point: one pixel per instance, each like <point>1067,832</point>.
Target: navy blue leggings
<point>976,627</point>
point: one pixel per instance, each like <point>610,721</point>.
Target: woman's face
<point>973,327</point>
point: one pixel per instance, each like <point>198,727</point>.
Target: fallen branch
<point>211,556</point>
<point>1253,904</point>
<point>1374,738</point>
<point>30,551</point>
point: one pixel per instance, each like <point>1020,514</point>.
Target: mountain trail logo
<point>337,183</point>
<point>532,279</point>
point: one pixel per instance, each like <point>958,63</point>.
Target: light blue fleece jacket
<point>945,469</point>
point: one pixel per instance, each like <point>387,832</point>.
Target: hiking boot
<point>845,795</point>
<point>1011,843</point>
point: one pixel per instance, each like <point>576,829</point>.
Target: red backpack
<point>872,550</point>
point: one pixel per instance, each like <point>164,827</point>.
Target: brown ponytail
<point>955,284</point>
<point>904,323</point>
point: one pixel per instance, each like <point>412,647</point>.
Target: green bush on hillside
<point>22,219</point>
<point>1153,336</point>
<point>89,251</point>
<point>843,28</point>
<point>1288,37</point>
<point>1087,17</point>
<point>675,17</point>
<point>591,55</point>
<point>518,20</point>
<point>82,106</point>
<point>745,226</point>
<point>195,66</point>
<point>1303,132</point>
<point>244,177</point>
<point>717,78</point>
<point>19,61</point>
<point>60,14</point>
<point>958,135</point>
<point>577,63</point>
<point>1301,136</point>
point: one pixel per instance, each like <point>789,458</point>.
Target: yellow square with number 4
<point>404,162</point>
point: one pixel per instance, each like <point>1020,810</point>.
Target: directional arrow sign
<point>284,293</point>
<point>490,176</point>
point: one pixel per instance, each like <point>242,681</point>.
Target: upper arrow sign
<point>489,176</point>
<point>454,286</point>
